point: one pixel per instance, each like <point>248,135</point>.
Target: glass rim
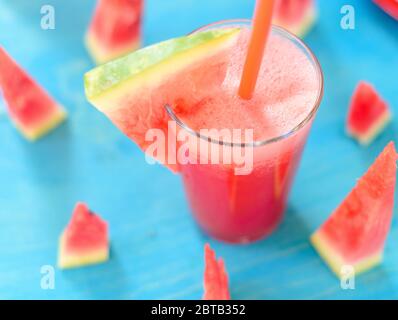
<point>318,69</point>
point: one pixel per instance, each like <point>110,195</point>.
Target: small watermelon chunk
<point>115,29</point>
<point>215,277</point>
<point>389,6</point>
<point>356,231</point>
<point>368,114</point>
<point>132,91</point>
<point>84,241</point>
<point>296,16</point>
<point>30,108</point>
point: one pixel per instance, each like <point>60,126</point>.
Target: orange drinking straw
<point>261,28</point>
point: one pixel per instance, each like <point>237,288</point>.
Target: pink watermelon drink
<point>198,77</point>
<point>246,207</point>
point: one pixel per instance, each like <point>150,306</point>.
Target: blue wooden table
<point>157,250</point>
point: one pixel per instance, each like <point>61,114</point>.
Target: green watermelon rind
<point>365,138</point>
<point>102,55</point>
<point>33,133</point>
<point>83,255</point>
<point>100,50</point>
<point>44,122</point>
<point>355,127</point>
<point>67,260</point>
<point>340,249</point>
<point>336,262</point>
<point>153,62</point>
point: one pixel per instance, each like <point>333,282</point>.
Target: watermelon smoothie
<point>241,208</point>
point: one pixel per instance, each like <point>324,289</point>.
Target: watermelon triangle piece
<point>356,231</point>
<point>389,6</point>
<point>84,241</point>
<point>296,16</point>
<point>368,114</point>
<point>30,108</point>
<point>215,277</point>
<point>132,91</point>
<point>115,29</point>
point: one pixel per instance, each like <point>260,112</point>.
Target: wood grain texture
<point>157,250</point>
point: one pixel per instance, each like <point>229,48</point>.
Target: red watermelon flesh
<point>356,231</point>
<point>85,239</point>
<point>297,16</point>
<point>133,91</point>
<point>115,29</point>
<point>389,6</point>
<point>368,114</point>
<point>32,110</point>
<point>215,277</point>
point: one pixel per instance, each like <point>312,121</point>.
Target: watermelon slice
<point>389,6</point>
<point>297,16</point>
<point>215,277</point>
<point>115,29</point>
<point>133,91</point>
<point>356,231</point>
<point>31,109</point>
<point>368,114</point>
<point>85,239</point>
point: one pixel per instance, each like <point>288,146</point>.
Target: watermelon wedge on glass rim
<point>31,109</point>
<point>368,114</point>
<point>355,233</point>
<point>215,277</point>
<point>84,241</point>
<point>133,90</point>
<point>296,16</point>
<point>115,29</point>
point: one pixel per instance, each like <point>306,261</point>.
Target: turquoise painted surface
<point>156,247</point>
